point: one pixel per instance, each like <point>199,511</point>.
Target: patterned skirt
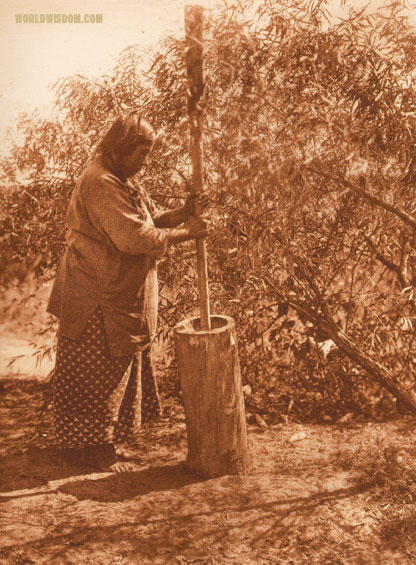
<point>97,398</point>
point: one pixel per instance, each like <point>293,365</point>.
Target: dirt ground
<point>312,495</point>
<point>303,501</point>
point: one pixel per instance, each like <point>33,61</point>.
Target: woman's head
<point>127,143</point>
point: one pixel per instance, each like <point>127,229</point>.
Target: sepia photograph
<point>208,282</point>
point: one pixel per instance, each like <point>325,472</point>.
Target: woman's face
<point>132,163</point>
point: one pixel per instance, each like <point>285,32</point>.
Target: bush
<point>309,144</point>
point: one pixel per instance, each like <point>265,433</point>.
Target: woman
<point>105,296</point>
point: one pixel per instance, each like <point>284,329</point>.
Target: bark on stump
<point>213,400</point>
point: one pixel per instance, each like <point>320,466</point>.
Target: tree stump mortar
<point>209,373</point>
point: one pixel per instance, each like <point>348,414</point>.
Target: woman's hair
<point>124,135</point>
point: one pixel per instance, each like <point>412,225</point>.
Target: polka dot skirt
<point>97,398</point>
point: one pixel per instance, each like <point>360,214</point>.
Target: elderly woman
<point>105,296</point>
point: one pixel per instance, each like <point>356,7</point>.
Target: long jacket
<point>113,243</point>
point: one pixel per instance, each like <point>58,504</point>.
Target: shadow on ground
<point>126,486</point>
<point>35,468</point>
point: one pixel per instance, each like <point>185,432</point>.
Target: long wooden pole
<point>194,29</point>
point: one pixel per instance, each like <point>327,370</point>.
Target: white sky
<point>34,56</point>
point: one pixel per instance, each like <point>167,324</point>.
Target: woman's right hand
<point>197,227</point>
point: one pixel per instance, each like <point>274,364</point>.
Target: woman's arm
<point>172,218</point>
<point>111,211</point>
<point>195,229</point>
<point>177,216</point>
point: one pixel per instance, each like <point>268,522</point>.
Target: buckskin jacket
<point>113,243</point>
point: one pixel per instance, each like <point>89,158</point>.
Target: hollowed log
<point>209,373</point>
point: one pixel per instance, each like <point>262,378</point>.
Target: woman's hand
<point>195,204</point>
<point>195,229</point>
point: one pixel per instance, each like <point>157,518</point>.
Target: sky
<point>34,55</point>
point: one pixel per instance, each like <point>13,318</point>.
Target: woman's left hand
<point>196,203</point>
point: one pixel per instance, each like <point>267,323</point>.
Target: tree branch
<point>351,349</point>
<point>386,262</point>
<point>407,218</point>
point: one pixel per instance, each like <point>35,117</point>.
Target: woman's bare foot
<point>123,467</point>
<point>101,457</point>
<point>127,452</point>
<point>104,458</point>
